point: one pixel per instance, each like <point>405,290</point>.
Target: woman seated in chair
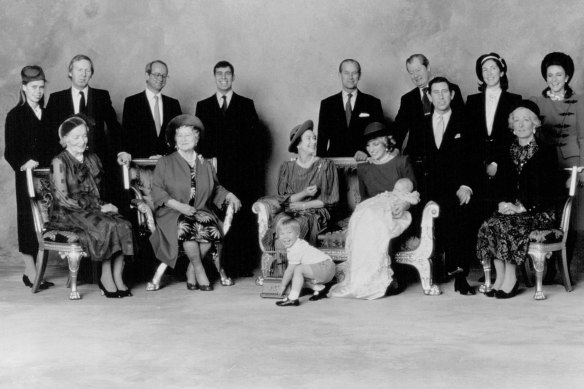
<point>307,187</point>
<point>529,203</point>
<point>385,184</point>
<point>76,177</point>
<point>184,189</point>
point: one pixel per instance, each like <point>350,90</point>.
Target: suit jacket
<point>26,137</point>
<point>441,171</point>
<point>235,139</point>
<point>491,148</point>
<point>105,131</point>
<point>139,136</point>
<point>335,138</point>
<point>411,112</point>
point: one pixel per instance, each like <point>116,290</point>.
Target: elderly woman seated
<point>76,175</point>
<point>184,190</point>
<point>530,182</point>
<point>307,187</point>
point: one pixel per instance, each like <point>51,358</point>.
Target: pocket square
<point>364,115</point>
<point>457,136</point>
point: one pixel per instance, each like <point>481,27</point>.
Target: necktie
<point>426,102</point>
<point>348,109</point>
<point>224,105</point>
<point>157,121</point>
<point>82,107</point>
<point>439,131</point>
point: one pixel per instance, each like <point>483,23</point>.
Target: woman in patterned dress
<point>529,204</point>
<point>76,177</point>
<point>184,190</point>
<point>307,187</point>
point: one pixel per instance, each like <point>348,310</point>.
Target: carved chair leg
<point>566,271</point>
<point>73,259</point>
<point>424,268</point>
<point>538,259</point>
<point>487,286</point>
<point>266,264</point>
<point>41,265</point>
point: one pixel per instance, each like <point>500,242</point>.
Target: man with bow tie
<point>344,116</point>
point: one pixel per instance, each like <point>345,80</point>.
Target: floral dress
<point>506,237</point>
<point>200,227</point>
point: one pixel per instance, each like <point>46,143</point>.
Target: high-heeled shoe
<point>192,286</point>
<point>124,293</point>
<point>288,303</point>
<point>106,293</point>
<point>227,281</point>
<point>501,294</point>
<point>44,285</point>
<point>491,293</point>
<point>461,286</point>
<point>206,288</point>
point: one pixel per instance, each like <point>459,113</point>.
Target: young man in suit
<point>146,115</point>
<point>97,105</point>
<point>233,135</point>
<point>344,116</point>
<point>416,104</point>
<point>441,151</point>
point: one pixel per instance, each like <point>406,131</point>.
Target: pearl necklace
<point>305,164</point>
<point>388,157</point>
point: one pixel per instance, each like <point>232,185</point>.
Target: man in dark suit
<point>233,135</point>
<point>344,116</point>
<point>416,104</point>
<point>445,170</point>
<point>147,113</point>
<point>104,129</point>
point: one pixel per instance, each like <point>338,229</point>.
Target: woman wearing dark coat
<point>529,202</point>
<point>184,190</point>
<point>487,115</point>
<point>25,134</point>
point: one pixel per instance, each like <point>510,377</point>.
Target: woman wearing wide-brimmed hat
<point>184,190</point>
<point>385,183</point>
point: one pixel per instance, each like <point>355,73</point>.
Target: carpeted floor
<point>232,338</point>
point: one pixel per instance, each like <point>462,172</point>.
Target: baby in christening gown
<point>371,227</point>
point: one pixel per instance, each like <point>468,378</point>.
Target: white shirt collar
<point>150,95</point>
<point>445,116</point>
<point>228,97</point>
<point>75,92</point>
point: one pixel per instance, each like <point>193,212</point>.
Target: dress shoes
<point>501,294</point>
<point>288,303</point>
<point>124,293</point>
<point>321,294</point>
<point>461,286</point>
<point>192,286</point>
<point>206,288</point>
<point>44,285</point>
<point>394,288</point>
<point>491,293</point>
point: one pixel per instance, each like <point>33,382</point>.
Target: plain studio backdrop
<point>285,52</point>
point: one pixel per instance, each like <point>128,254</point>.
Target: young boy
<point>306,265</point>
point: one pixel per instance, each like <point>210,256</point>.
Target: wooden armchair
<point>332,242</point>
<point>65,242</point>
<point>138,179</point>
<point>543,243</point>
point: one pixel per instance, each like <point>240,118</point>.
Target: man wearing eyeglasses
<point>97,106</point>
<point>233,135</point>
<point>146,115</point>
